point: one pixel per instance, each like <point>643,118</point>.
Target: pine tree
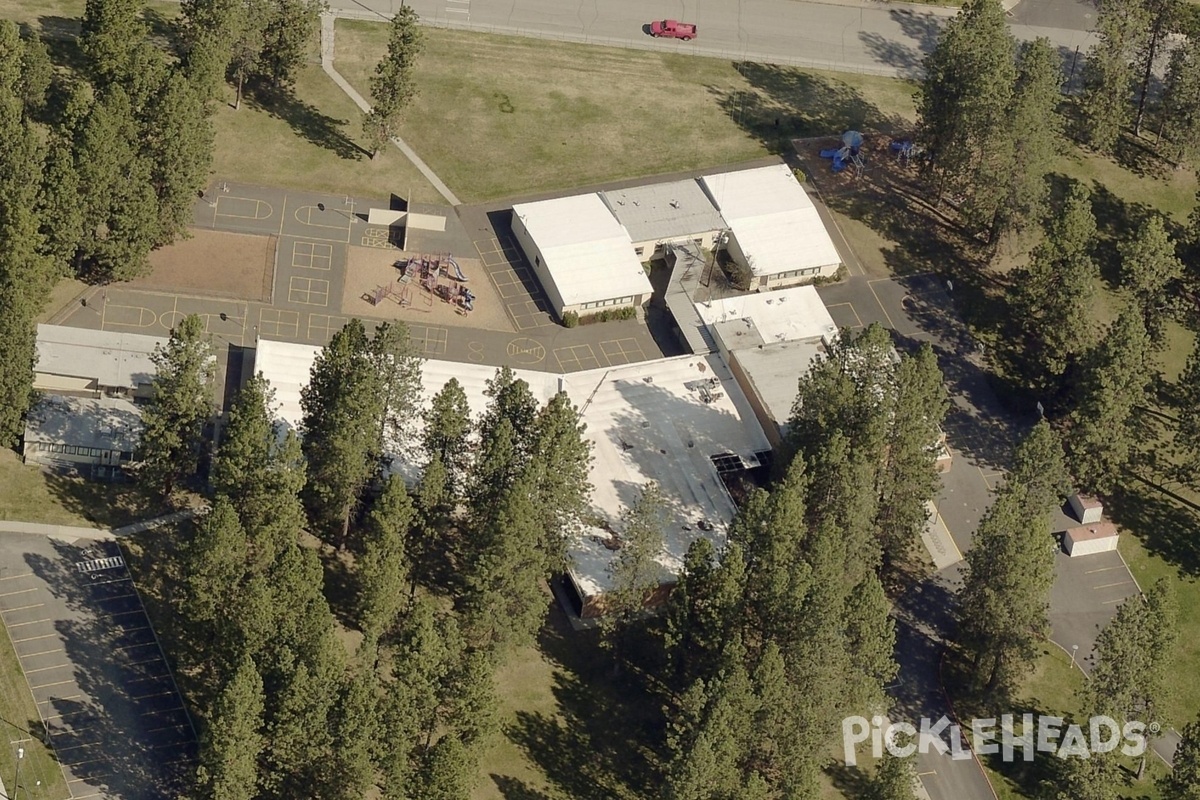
<point>509,399</point>
<point>963,107</point>
<point>1053,295</point>
<point>870,635</point>
<point>1113,384</point>
<point>290,29</point>
<point>119,207</point>
<point>701,609</point>
<point>562,458</point>
<point>430,542</point>
<point>180,406</point>
<point>383,568</point>
<point>25,274</point>
<point>504,600</point>
<point>111,31</point>
<point>447,426</point>
<point>1036,132</point>
<point>1133,656</point>
<point>1108,72</point>
<point>342,409</point>
<point>178,143</point>
<point>58,205</point>
<point>1150,271</point>
<point>1004,601</point>
<point>393,86</point>
<point>215,566</point>
<point>229,751</point>
<point>470,699</point>
<point>355,729</point>
<point>448,772</point>
<point>221,36</point>
<point>895,777</point>
<point>260,473</point>
<point>1179,111</point>
<point>37,73</point>
<point>908,477</point>
<point>397,372</point>
<point>1163,17</point>
<point>1183,782</point>
<point>1039,470</point>
<point>635,570</point>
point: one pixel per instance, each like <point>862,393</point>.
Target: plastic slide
<point>458,273</point>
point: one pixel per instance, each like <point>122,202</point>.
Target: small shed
<point>1088,539</point>
<point>1086,509</point>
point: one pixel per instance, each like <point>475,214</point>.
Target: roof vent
<point>649,379</point>
<point>674,204</point>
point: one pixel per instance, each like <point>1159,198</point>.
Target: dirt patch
<point>371,269</point>
<point>235,265</point>
<point>880,166</point>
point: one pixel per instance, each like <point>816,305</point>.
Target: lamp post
<point>17,779</point>
<point>1074,650</point>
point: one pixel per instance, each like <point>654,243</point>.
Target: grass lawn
<point>499,116</point>
<point>23,728</point>
<point>27,494</point>
<point>312,140</point>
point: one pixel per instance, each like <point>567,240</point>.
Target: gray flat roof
<point>664,210</point>
<point>105,423</point>
<point>110,358</point>
<point>775,370</point>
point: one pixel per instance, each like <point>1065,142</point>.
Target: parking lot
<point>104,692</point>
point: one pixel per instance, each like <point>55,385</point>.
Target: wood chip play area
<point>430,287</point>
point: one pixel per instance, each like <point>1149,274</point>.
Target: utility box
<point>1086,509</point>
<point>1089,539</point>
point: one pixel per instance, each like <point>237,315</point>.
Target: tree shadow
<point>1115,219</point>
<point>516,789</point>
<point>106,505</point>
<point>305,119</point>
<point>164,30</point>
<point>781,103</point>
<point>1166,527</point>
<point>340,587</point>
<point>601,743</point>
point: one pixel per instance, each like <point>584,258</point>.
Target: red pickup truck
<point>672,29</point>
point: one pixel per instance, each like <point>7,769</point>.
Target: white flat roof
<point>110,358</point>
<point>650,422</point>
<point>775,371</point>
<point>661,211</point>
<point>775,223</point>
<point>104,423</point>
<point>784,315</point>
<point>647,421</point>
<point>588,254</point>
<point>287,366</point>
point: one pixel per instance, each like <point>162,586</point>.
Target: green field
<point>41,778</point>
<point>29,494</point>
<point>501,116</point>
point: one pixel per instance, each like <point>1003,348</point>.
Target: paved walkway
<point>77,532</point>
<point>327,54</point>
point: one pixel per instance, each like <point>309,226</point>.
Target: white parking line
<point>40,653</point>
<point>14,577</point>
<point>48,685</point>
<point>22,608</point>
<point>35,638</point>
<point>31,622</point>
<point>19,591</point>
<point>47,669</point>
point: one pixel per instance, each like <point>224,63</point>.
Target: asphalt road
<point>848,35</point>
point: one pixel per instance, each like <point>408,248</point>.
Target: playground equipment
<point>848,153</point>
<point>905,150</point>
<point>458,273</point>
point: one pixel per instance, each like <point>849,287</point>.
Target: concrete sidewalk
<point>72,532</point>
<point>938,540</point>
<point>328,31</point>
